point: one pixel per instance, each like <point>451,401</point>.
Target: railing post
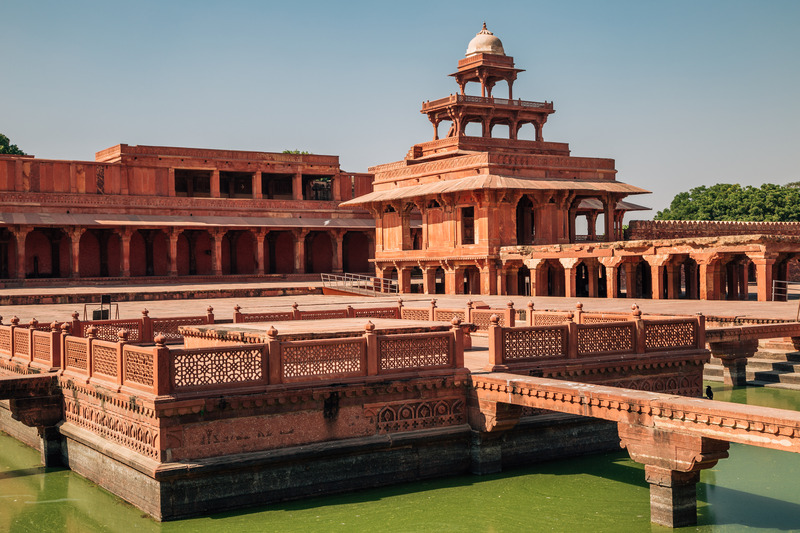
<point>146,333</point>
<point>209,315</point>
<point>511,315</point>
<point>63,345</point>
<point>572,337</point>
<point>123,340</point>
<point>55,346</point>
<point>529,316</point>
<point>237,315</point>
<point>579,313</point>
<point>31,328</point>
<point>372,348</point>
<point>458,342</point>
<point>351,313</point>
<point>639,338</point>
<point>274,346</point>
<point>295,311</point>
<point>468,312</point>
<point>433,310</point>
<point>14,326</point>
<point>496,359</point>
<point>399,308</point>
<point>161,367</point>
<point>75,327</point>
<point>91,335</point>
<point>701,331</point>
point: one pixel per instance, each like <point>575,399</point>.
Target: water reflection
<point>754,489</point>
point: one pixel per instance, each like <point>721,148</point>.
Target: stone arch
<point>149,253</point>
<point>8,254</point>
<point>643,278</point>
<point>280,252</point>
<point>355,252</point>
<point>526,229</point>
<point>239,252</point>
<point>524,281</point>
<point>47,253</point>
<point>194,253</point>
<point>99,254</point>
<point>319,252</point>
<point>472,280</point>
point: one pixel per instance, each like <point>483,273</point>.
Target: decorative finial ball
<point>369,326</point>
<point>123,334</point>
<point>494,320</point>
<point>75,315</point>
<point>91,331</point>
<point>160,340</point>
<point>272,332</point>
<point>456,321</point>
<point>54,326</point>
<point>579,306</point>
<point>145,312</point>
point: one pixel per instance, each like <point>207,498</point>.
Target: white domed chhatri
<point>485,43</point>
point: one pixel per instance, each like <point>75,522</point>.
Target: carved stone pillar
<point>260,235</point>
<point>75,257</point>
<point>216,252</point>
<point>764,275</point>
<point>21,235</point>
<point>734,356</point>
<point>215,184</point>
<point>429,279</point>
<point>611,265</point>
<point>404,279</point>
<point>337,241</point>
<point>537,288</point>
<point>297,188</point>
<point>173,237</point>
<point>125,251</point>
<point>570,272</point>
<point>672,468</point>
<point>630,280</point>
<point>300,251</point>
<point>657,263</point>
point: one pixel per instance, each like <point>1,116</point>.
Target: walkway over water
<point>673,436</point>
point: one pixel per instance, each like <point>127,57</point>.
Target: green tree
<point>7,148</point>
<point>725,201</point>
<point>298,152</point>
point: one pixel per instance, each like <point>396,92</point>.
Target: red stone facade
<point>150,212</point>
<point>499,214</point>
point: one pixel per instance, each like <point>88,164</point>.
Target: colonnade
<point>86,252</point>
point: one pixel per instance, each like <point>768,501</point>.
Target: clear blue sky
<point>680,93</point>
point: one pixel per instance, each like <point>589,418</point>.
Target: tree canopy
<point>298,152</point>
<point>7,148</point>
<point>725,201</point>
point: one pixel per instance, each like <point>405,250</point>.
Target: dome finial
<point>484,25</point>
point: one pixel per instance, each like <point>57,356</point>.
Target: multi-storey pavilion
<point>151,212</point>
<point>444,213</point>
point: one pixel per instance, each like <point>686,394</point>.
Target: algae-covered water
<point>753,490</point>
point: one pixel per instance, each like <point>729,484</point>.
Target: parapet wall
<point>676,229</point>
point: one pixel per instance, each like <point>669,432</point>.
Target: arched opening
<point>239,253</point>
<point>581,280</point>
<point>319,252</point>
<point>500,131</point>
<point>47,253</point>
<point>416,280</point>
<point>439,280</point>
<point>473,129</point>
<point>644,280</point>
<point>280,252</point>
<point>8,254</point>
<point>99,254</point>
<point>472,280</point>
<point>149,252</point>
<point>355,252</point>
<point>526,132</point>
<point>194,253</point>
<point>524,281</point>
<point>526,231</point>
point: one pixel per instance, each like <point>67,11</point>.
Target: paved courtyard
<point>223,307</point>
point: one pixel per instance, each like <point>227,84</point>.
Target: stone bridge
<point>36,401</point>
<point>733,346</point>
<point>673,436</point>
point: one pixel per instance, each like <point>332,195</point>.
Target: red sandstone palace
<point>493,211</point>
<point>498,212</point>
<point>150,212</point>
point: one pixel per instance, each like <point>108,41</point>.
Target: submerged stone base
<point>170,491</point>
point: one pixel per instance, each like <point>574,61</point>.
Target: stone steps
<point>770,366</point>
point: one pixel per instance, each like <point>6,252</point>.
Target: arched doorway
<point>47,253</point>
<point>524,281</point>
<point>149,252</point>
<point>239,252</point>
<point>319,252</point>
<point>472,280</point>
<point>8,254</point>
<point>280,252</point>
<point>525,221</point>
<point>417,280</point>
<point>643,280</point>
<point>355,252</point>
<point>439,285</point>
